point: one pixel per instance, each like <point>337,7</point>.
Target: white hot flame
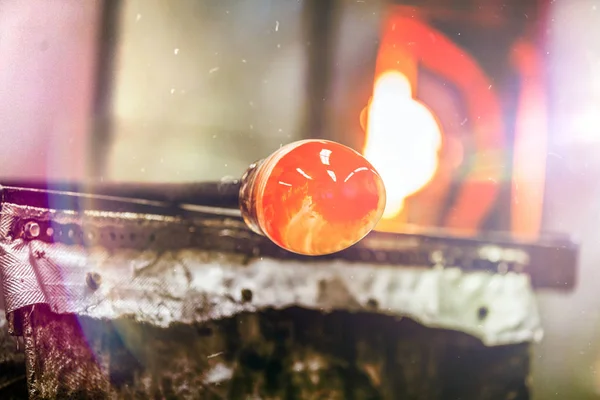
<point>403,140</point>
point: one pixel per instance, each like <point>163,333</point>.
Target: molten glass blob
<point>313,197</point>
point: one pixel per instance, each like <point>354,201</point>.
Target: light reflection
<point>324,154</point>
<point>332,175</point>
<point>357,170</point>
<point>284,183</point>
<point>304,174</point>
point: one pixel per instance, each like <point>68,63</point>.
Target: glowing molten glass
<point>313,197</point>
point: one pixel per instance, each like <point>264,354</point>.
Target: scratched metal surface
<point>164,270</point>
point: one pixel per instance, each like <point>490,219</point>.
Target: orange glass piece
<point>313,197</point>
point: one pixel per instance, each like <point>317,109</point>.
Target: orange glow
<point>408,44</point>
<point>403,139</point>
<point>529,160</point>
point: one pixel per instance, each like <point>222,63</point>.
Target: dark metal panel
<point>287,354</point>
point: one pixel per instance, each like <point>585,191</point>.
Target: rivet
<point>246,295</point>
<point>93,280</point>
<point>372,303</point>
<point>482,313</point>
<point>31,230</point>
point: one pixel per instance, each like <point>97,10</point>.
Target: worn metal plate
<point>142,304</point>
<point>164,270</point>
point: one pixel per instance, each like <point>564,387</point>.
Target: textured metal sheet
<point>110,265</point>
<point>290,354</point>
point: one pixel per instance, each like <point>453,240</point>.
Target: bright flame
<point>403,140</point>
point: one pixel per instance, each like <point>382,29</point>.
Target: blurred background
<point>479,114</point>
